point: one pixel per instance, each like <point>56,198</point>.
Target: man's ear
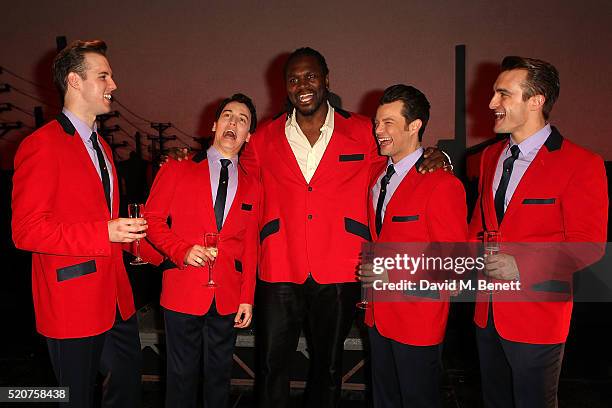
<point>73,80</point>
<point>536,102</point>
<point>327,82</point>
<point>248,137</point>
<point>214,128</point>
<point>415,125</point>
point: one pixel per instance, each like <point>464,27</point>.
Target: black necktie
<point>500,194</point>
<point>103,169</point>
<point>221,193</point>
<point>381,197</point>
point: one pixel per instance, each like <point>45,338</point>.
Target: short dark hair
<point>307,52</point>
<point>415,104</point>
<point>241,98</point>
<point>72,59</point>
<point>542,79</point>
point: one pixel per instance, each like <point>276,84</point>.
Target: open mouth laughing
<point>305,98</point>
<point>230,133</point>
<point>384,141</point>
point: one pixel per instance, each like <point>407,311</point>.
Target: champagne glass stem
<point>137,249</point>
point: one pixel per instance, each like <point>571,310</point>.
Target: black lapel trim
<point>66,124</point>
<point>342,112</point>
<point>554,140</point>
<point>279,114</point>
<point>200,156</point>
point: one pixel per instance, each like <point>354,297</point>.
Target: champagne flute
<point>136,210</point>
<point>492,241</point>
<point>211,242</point>
<point>363,303</point>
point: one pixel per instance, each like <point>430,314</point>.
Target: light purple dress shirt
<point>214,166</point>
<point>85,132</point>
<point>402,168</point>
<point>529,148</point>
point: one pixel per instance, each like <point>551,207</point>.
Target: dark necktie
<point>381,197</point>
<point>103,169</point>
<point>500,194</point>
<point>221,193</point>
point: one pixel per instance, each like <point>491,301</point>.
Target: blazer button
<point>310,216</point>
<point>309,188</point>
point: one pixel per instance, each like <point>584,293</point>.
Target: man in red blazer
<point>65,204</point>
<point>212,192</point>
<point>535,186</point>
<point>406,206</point>
<point>313,162</point>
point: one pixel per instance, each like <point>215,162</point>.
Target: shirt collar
<point>214,156</point>
<point>81,127</point>
<point>403,166</point>
<point>534,141</point>
<point>327,125</point>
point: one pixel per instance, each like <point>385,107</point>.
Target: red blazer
<point>425,208</point>
<point>60,215</point>
<point>562,197</point>
<point>313,228</point>
<point>181,192</point>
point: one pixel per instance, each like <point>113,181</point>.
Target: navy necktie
<point>103,169</point>
<point>221,193</point>
<point>381,197</point>
<point>500,194</point>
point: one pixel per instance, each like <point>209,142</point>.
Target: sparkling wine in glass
<point>363,303</point>
<point>211,242</point>
<point>136,210</point>
<point>492,241</point>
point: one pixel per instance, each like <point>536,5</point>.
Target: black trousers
<point>193,342</point>
<point>116,353</point>
<point>326,312</point>
<point>517,375</point>
<point>404,376</point>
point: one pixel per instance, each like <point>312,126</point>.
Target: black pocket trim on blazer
<point>238,265</point>
<point>246,207</point>
<point>404,218</point>
<point>357,228</point>
<point>555,286</point>
<point>167,264</point>
<point>272,227</point>
<point>426,293</point>
<point>75,271</point>
<point>539,200</point>
<point>351,157</point>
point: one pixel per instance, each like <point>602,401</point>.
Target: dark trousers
<point>116,353</point>
<point>517,375</point>
<point>193,342</point>
<point>326,312</point>
<point>404,376</point>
